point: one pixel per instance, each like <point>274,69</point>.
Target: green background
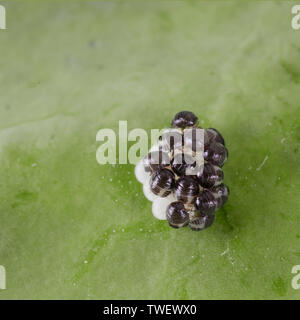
<point>73,229</point>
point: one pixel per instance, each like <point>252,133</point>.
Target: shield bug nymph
<point>156,160</point>
<point>216,154</point>
<point>221,193</point>
<point>201,221</point>
<point>194,139</point>
<point>186,189</point>
<point>162,182</point>
<point>171,140</point>
<point>184,119</point>
<point>177,215</point>
<point>210,176</point>
<point>206,202</point>
<point>213,135</point>
<point>182,162</point>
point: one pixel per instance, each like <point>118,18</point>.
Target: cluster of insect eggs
<point>185,199</point>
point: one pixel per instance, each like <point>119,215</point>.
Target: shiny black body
<point>184,119</point>
<point>162,182</point>
<point>156,160</point>
<point>186,189</point>
<point>177,215</point>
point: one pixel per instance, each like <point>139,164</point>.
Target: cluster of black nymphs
<point>196,196</point>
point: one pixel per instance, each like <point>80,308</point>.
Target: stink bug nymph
<point>186,189</point>
<point>184,119</point>
<point>177,215</point>
<point>162,182</point>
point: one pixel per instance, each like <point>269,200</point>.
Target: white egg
<point>159,206</point>
<point>140,173</point>
<point>148,193</point>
